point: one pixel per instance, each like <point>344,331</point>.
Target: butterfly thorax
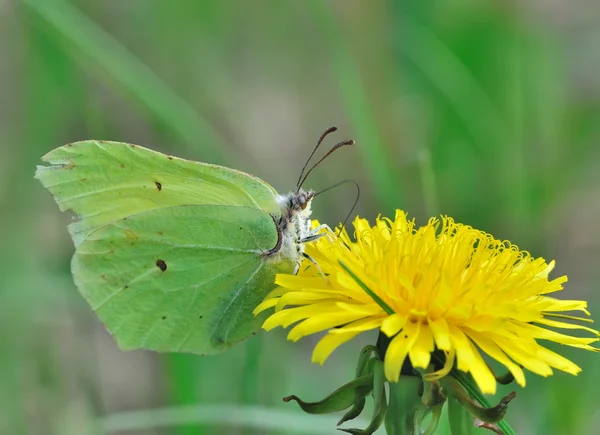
<point>294,226</point>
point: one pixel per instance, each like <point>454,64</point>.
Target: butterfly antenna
<point>323,136</point>
<point>335,147</point>
<point>349,180</point>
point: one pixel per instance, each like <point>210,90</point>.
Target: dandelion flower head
<point>443,286</point>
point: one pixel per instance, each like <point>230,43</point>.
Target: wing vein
<point>232,300</point>
<point>191,330</point>
<point>120,289</point>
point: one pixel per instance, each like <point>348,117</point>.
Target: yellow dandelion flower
<point>443,286</point>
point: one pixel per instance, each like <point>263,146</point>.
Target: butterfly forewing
<point>102,182</point>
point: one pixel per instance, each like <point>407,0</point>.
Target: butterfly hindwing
<point>183,278</point>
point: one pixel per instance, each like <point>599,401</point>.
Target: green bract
<point>404,406</point>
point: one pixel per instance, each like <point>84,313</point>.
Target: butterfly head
<point>295,206</point>
<point>301,200</point>
<point>294,222</point>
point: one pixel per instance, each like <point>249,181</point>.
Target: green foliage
<point>461,422</point>
<point>479,110</point>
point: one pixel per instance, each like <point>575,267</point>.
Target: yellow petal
<point>464,352</point>
<point>393,324</point>
<point>486,322</point>
<point>492,349</point>
<point>359,325</point>
<point>558,361</point>
<point>445,370</point>
<point>329,343</point>
<point>420,352</point>
<point>544,273</point>
<point>481,373</point>
<point>551,304</point>
<point>523,353</point>
<point>317,323</point>
<point>364,309</point>
<point>287,317</point>
<point>584,347</point>
<point>265,305</point>
<point>568,317</point>
<point>441,333</point>
<point>295,282</point>
<point>557,337</point>
<point>564,325</point>
<point>303,298</point>
<point>398,350</point>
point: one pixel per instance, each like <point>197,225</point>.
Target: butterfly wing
<point>102,182</point>
<point>170,253</point>
<point>182,279</point>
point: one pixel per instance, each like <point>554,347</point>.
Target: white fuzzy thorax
<point>294,226</point>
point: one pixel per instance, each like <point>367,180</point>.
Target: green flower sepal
<point>406,403</point>
<point>369,380</point>
<point>464,414</point>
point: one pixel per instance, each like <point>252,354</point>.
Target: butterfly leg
<point>313,261</point>
<point>311,238</point>
<point>315,234</point>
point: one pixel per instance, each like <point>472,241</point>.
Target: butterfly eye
<point>302,202</point>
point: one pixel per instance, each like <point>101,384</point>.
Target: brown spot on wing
<point>158,185</point>
<point>161,264</point>
<point>122,165</point>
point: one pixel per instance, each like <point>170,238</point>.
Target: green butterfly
<point>174,255</point>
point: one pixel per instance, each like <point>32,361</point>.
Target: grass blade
<point>88,41</point>
<point>289,422</point>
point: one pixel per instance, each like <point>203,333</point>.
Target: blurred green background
<point>485,110</point>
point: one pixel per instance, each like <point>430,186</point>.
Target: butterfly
<point>173,255</point>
